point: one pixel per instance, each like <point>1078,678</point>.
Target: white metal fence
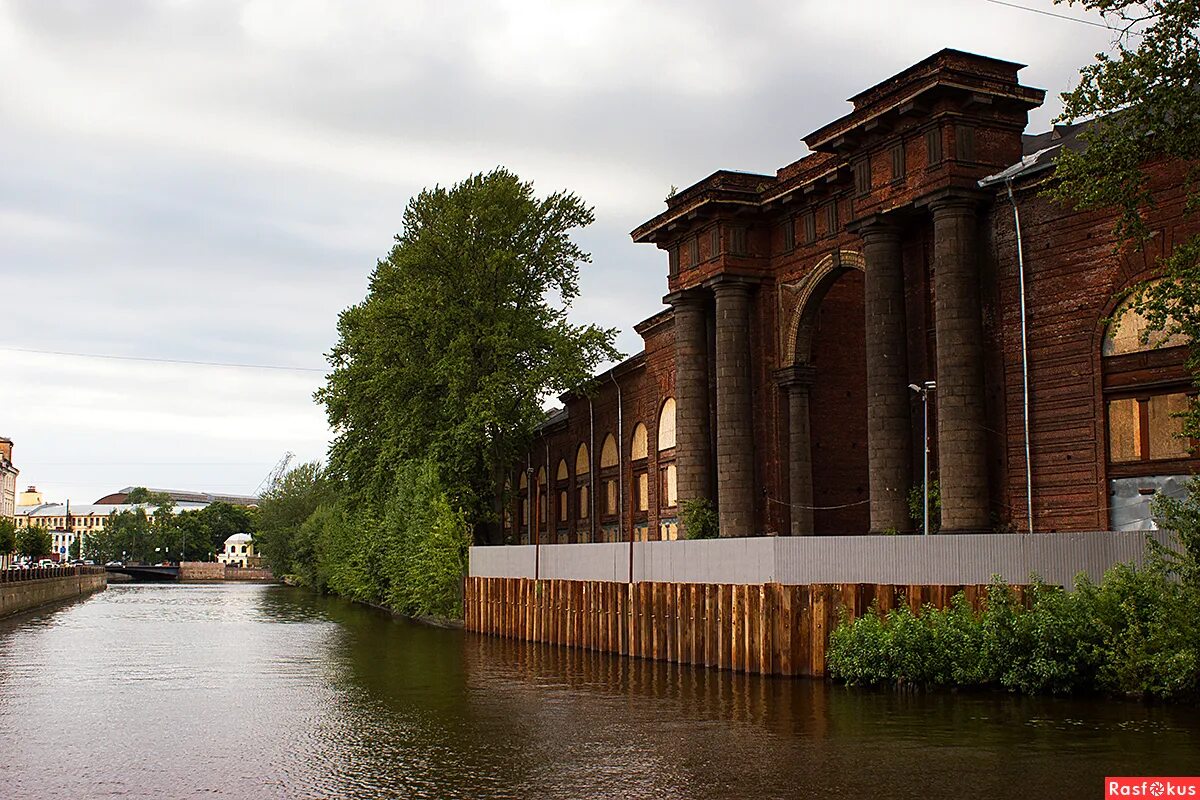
<point>952,560</point>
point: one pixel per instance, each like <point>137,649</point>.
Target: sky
<point>213,180</point>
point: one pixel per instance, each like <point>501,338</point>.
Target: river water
<point>241,691</point>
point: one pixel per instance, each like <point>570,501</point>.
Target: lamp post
<point>924,390</point>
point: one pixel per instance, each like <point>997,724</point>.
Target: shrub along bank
<point>1137,632</point>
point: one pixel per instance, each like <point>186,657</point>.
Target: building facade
<point>8,479</point>
<point>804,307</point>
<point>66,522</point>
<point>238,551</point>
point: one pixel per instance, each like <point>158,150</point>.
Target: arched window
<point>608,452</point>
<point>1146,386</point>
<point>561,477</point>
<point>582,470</point>
<point>666,425</point>
<point>561,473</point>
<point>1130,332</point>
<point>523,507</point>
<point>608,476</point>
<point>639,443</point>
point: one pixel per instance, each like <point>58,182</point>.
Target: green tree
<point>463,333</point>
<point>282,511</point>
<point>8,536</point>
<point>1146,98</point>
<point>33,542</point>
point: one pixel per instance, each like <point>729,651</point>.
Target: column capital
<point>796,376</point>
<point>686,297</point>
<point>731,284</point>
<point>955,200</point>
<point>876,226</point>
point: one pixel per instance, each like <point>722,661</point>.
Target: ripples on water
<point>241,691</point>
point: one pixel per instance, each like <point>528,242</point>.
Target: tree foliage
<point>8,536</point>
<point>1145,96</point>
<point>34,542</point>
<point>462,334</point>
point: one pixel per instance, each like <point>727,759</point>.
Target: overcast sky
<point>213,180</point>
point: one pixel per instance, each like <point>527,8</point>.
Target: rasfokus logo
<point>1151,787</point>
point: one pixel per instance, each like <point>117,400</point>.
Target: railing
<point>41,573</point>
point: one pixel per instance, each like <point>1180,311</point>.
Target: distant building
<point>183,496</point>
<point>8,479</point>
<point>30,497</point>
<point>65,523</point>
<point>239,552</point>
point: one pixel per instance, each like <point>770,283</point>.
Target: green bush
<point>699,519</point>
<point>916,506</point>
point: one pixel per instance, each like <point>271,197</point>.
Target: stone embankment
<point>213,571</point>
<point>23,590</point>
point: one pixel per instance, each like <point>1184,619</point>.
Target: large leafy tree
<point>463,333</point>
<point>34,542</point>
<point>1145,96</point>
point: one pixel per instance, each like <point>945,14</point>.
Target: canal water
<point>241,691</point>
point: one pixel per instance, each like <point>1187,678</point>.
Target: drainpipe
<point>591,471</point>
<point>1024,356</point>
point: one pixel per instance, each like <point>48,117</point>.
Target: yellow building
<point>8,479</point>
<point>239,552</point>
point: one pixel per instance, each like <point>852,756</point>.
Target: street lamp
<point>924,390</point>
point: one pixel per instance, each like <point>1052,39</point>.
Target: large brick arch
<point>809,291</point>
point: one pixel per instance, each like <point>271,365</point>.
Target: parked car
<point>45,562</point>
<point>115,564</point>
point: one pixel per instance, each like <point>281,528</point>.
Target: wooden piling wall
<point>772,629</point>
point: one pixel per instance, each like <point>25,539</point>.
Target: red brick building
<point>802,305</point>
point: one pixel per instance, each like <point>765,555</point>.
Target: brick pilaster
<point>962,438</point>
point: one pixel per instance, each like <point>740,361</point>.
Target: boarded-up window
<point>789,234</point>
<point>1147,429</point>
<point>673,261</point>
<point>640,444</point>
<point>562,473</point>
<point>714,242</point>
<point>1124,431</point>
<point>1165,428</point>
<point>666,425</point>
<point>583,502</point>
<point>582,465</point>
<point>608,452</point>
<point>668,482</point>
<point>668,531</point>
<point>694,252</point>
<point>831,219</point>
<point>642,489</point>
<point>610,497</point>
<point>562,506</point>
<point>1130,332</point>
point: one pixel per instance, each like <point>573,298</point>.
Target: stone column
<point>693,432</point>
<point>735,431</point>
<point>889,433</point>
<point>962,439</point>
<point>796,381</point>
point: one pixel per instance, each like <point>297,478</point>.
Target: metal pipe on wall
<point>591,470</point>
<point>621,472</point>
<point>1024,356</point>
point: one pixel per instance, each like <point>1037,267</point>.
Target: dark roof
<point>1039,151</point>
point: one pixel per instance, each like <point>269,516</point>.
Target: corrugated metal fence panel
<point>931,560</point>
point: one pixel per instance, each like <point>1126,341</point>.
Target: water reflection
<point>254,691</point>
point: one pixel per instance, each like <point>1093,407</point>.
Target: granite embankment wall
<point>21,592</point>
<point>213,571</point>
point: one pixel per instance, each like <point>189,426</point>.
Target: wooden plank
<point>737,618</point>
<point>712,646</point>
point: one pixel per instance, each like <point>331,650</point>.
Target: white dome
<point>239,538</point>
